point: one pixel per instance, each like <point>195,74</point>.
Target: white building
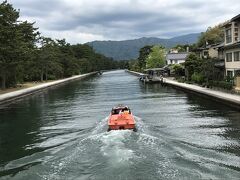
<point>232,46</point>
<point>176,58</point>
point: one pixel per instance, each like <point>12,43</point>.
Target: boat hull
<point>121,122</point>
<point>121,127</point>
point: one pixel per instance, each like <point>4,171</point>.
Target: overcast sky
<point>80,21</point>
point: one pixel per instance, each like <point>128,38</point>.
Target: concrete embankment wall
<point>134,73</point>
<point>226,98</point>
<point>11,96</point>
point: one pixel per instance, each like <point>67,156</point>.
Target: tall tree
<point>8,38</point>
<point>70,64</point>
<point>16,41</point>
<point>48,59</point>
<point>143,54</point>
<point>193,65</point>
<point>27,49</point>
<point>25,56</point>
<point>211,36</point>
<point>156,58</point>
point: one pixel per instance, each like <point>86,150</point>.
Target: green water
<point>62,134</point>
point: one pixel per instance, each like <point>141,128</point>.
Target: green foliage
<point>25,56</point>
<point>203,71</point>
<point>178,69</point>
<point>209,70</point>
<point>211,36</point>
<point>197,78</point>
<point>156,58</point>
<point>134,65</point>
<point>123,64</point>
<point>221,84</point>
<point>16,44</point>
<point>143,55</point>
<point>192,64</point>
<point>183,48</point>
<point>149,57</point>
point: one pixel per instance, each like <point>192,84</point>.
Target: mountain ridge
<point>128,49</point>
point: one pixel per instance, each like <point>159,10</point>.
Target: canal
<point>62,133</point>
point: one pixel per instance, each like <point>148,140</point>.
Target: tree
<point>27,49</point>
<point>211,36</point>
<point>178,69</point>
<point>48,60</point>
<point>70,64</point>
<point>156,58</point>
<point>16,43</point>
<point>8,38</point>
<point>90,60</point>
<point>25,56</point>
<point>192,65</point>
<point>123,64</point>
<point>143,54</point>
<point>183,48</point>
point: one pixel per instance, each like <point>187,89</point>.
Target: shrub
<point>181,79</point>
<point>221,84</point>
<point>178,69</point>
<point>197,78</point>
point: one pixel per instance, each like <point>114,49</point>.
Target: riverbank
<point>17,94</point>
<point>23,86</point>
<point>223,97</point>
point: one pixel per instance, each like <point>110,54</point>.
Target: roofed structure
<point>176,58</point>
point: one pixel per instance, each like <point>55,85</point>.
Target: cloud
<point>86,20</point>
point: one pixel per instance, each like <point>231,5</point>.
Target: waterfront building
<point>232,47</point>
<point>176,58</point>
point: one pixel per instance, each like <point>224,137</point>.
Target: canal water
<point>62,133</point>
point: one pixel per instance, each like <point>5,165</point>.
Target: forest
<point>26,55</point>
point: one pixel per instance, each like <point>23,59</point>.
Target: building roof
<point>234,45</point>
<point>236,18</point>
<point>217,45</point>
<point>177,56</point>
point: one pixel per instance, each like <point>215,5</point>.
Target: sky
<point>80,21</point>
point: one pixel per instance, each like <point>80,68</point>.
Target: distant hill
<point>128,49</point>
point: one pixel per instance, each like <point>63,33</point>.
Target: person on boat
<point>115,111</point>
<point>125,110</point>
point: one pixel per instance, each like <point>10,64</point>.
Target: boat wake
<point>101,154</point>
<point>111,153</point>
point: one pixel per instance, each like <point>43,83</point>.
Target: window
<point>228,57</point>
<point>229,74</point>
<point>236,33</point>
<point>228,35</point>
<point>236,56</point>
<point>237,73</point>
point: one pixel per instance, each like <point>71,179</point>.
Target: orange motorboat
<point>121,118</point>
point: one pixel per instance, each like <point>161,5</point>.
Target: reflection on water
<point>61,134</point>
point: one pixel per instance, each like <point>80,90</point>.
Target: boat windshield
<point>120,110</point>
<point>115,111</point>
